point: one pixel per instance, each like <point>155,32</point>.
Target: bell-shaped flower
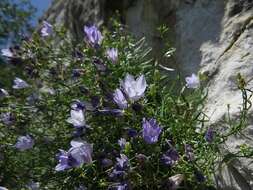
<point>134,89</point>
<point>170,157</point>
<point>120,99</point>
<point>46,30</point>
<point>112,54</point>
<point>151,131</point>
<point>24,143</point>
<point>77,118</point>
<point>209,135</point>
<point>7,53</point>
<point>78,154</point>
<point>93,35</point>
<point>175,181</point>
<point>3,93</point>
<point>192,81</point>
<point>7,118</point>
<point>19,84</point>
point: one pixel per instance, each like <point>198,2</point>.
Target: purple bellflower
<point>192,81</point>
<point>122,162</point>
<point>3,93</point>
<point>93,35</point>
<point>120,99</point>
<point>7,118</point>
<point>170,157</point>
<point>7,53</point>
<point>77,118</point>
<point>46,30</point>
<point>134,89</point>
<point>122,143</point>
<point>19,84</point>
<point>24,143</point>
<point>209,135</point>
<point>78,154</point>
<point>151,131</point>
<point>112,54</point>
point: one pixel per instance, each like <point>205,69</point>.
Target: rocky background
<point>214,37</point>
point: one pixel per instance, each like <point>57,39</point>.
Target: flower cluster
<point>131,129</point>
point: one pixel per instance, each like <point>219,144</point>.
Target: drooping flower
<point>134,89</point>
<point>78,154</point>
<point>189,152</point>
<point>122,143</point>
<point>93,35</point>
<point>46,30</point>
<point>122,162</point>
<point>3,93</point>
<point>209,135</point>
<point>120,99</point>
<point>77,118</point>
<point>81,152</point>
<point>170,157</point>
<point>7,53</point>
<point>151,131</point>
<point>24,143</point>
<point>19,84</point>
<point>192,81</point>
<point>7,118</point>
<point>175,181</point>
<point>112,54</point>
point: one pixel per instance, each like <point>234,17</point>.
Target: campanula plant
<point>102,114</point>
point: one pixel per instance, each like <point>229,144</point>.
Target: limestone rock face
<point>214,37</point>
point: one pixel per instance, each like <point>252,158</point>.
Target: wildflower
<point>78,154</point>
<point>3,93</point>
<point>19,84</point>
<point>77,118</point>
<point>122,143</point>
<point>170,157</point>
<point>7,53</point>
<point>93,35</point>
<point>209,136</point>
<point>24,143</point>
<point>189,152</point>
<point>3,188</point>
<point>46,30</point>
<point>122,162</point>
<point>112,54</point>
<point>134,89</point>
<point>120,99</point>
<point>192,81</point>
<point>175,181</point>
<point>7,118</point>
<point>151,131</point>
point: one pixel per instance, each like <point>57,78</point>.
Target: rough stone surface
<point>214,37</point>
